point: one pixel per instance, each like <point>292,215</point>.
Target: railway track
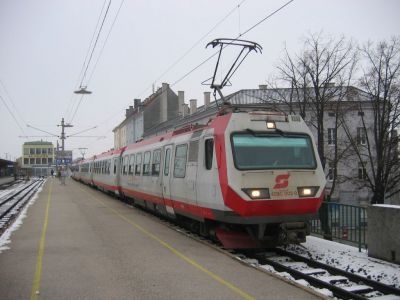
<point>11,205</point>
<point>342,284</point>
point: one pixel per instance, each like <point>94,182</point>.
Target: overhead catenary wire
<point>196,43</point>
<point>214,54</point>
<point>70,106</point>
<point>14,106</point>
<point>12,115</point>
<point>105,42</point>
<point>95,43</point>
<point>92,52</point>
<point>240,35</point>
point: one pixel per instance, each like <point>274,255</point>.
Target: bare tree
<point>376,143</point>
<point>318,78</point>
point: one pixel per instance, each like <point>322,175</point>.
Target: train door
<point>165,178</point>
<point>207,176</point>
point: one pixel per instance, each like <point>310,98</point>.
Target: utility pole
<point>83,152</point>
<point>62,137</point>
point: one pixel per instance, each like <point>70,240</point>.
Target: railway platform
<point>6,179</point>
<point>79,243</point>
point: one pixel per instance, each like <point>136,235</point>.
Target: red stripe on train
<point>177,205</point>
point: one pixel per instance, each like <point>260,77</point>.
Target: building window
<point>49,160</point>
<point>32,151</point>
<point>44,161</point>
<point>180,161</point>
<point>26,161</point>
<point>26,151</point>
<point>331,171</point>
<point>331,136</point>
<point>38,161</point>
<point>361,136</point>
<point>31,161</point>
<point>50,151</point>
<point>38,151</point>
<point>362,172</point>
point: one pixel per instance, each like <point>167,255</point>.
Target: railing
<point>342,222</point>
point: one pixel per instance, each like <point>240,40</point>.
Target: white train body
<point>251,178</point>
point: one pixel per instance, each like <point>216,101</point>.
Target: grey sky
<point>43,44</point>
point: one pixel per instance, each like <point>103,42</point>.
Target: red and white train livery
<point>248,178</point>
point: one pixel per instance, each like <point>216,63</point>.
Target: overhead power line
<point>12,115</point>
<point>95,43</point>
<point>240,35</point>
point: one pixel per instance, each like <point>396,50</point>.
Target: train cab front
<point>274,182</point>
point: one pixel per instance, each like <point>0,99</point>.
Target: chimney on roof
<point>193,106</point>
<point>185,109</point>
<point>136,102</point>
<point>164,102</point>
<point>263,86</point>
<point>181,103</point>
<point>206,99</point>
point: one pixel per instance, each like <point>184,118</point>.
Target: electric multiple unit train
<point>248,178</point>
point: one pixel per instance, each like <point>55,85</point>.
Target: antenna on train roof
<point>223,43</point>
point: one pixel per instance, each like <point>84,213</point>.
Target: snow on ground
<point>349,259</point>
<point>5,238</point>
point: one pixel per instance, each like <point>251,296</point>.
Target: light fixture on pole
<point>82,91</point>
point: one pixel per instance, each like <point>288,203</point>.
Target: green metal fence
<point>342,222</point>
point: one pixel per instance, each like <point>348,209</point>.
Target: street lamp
<point>82,91</point>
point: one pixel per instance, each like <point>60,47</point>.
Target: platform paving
<point>96,247</point>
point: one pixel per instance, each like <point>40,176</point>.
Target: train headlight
<point>307,191</point>
<point>271,125</point>
<point>257,193</point>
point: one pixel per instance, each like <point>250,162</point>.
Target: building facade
<point>159,107</point>
<point>38,158</point>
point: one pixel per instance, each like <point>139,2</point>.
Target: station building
<point>38,158</point>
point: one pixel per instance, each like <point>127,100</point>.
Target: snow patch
<point>348,258</point>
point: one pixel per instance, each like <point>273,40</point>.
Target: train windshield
<point>260,151</point>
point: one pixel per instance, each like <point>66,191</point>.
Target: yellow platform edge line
<point>38,273</point>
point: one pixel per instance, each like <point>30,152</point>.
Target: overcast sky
<point>43,45</point>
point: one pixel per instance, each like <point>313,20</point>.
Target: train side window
<point>125,165</point>
<point>115,165</point>
<point>209,153</point>
<point>166,161</point>
<point>146,163</point>
<point>138,165</point>
<point>131,164</point>
<point>155,167</point>
<point>180,161</point>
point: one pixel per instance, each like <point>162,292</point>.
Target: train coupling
<point>293,233</point>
